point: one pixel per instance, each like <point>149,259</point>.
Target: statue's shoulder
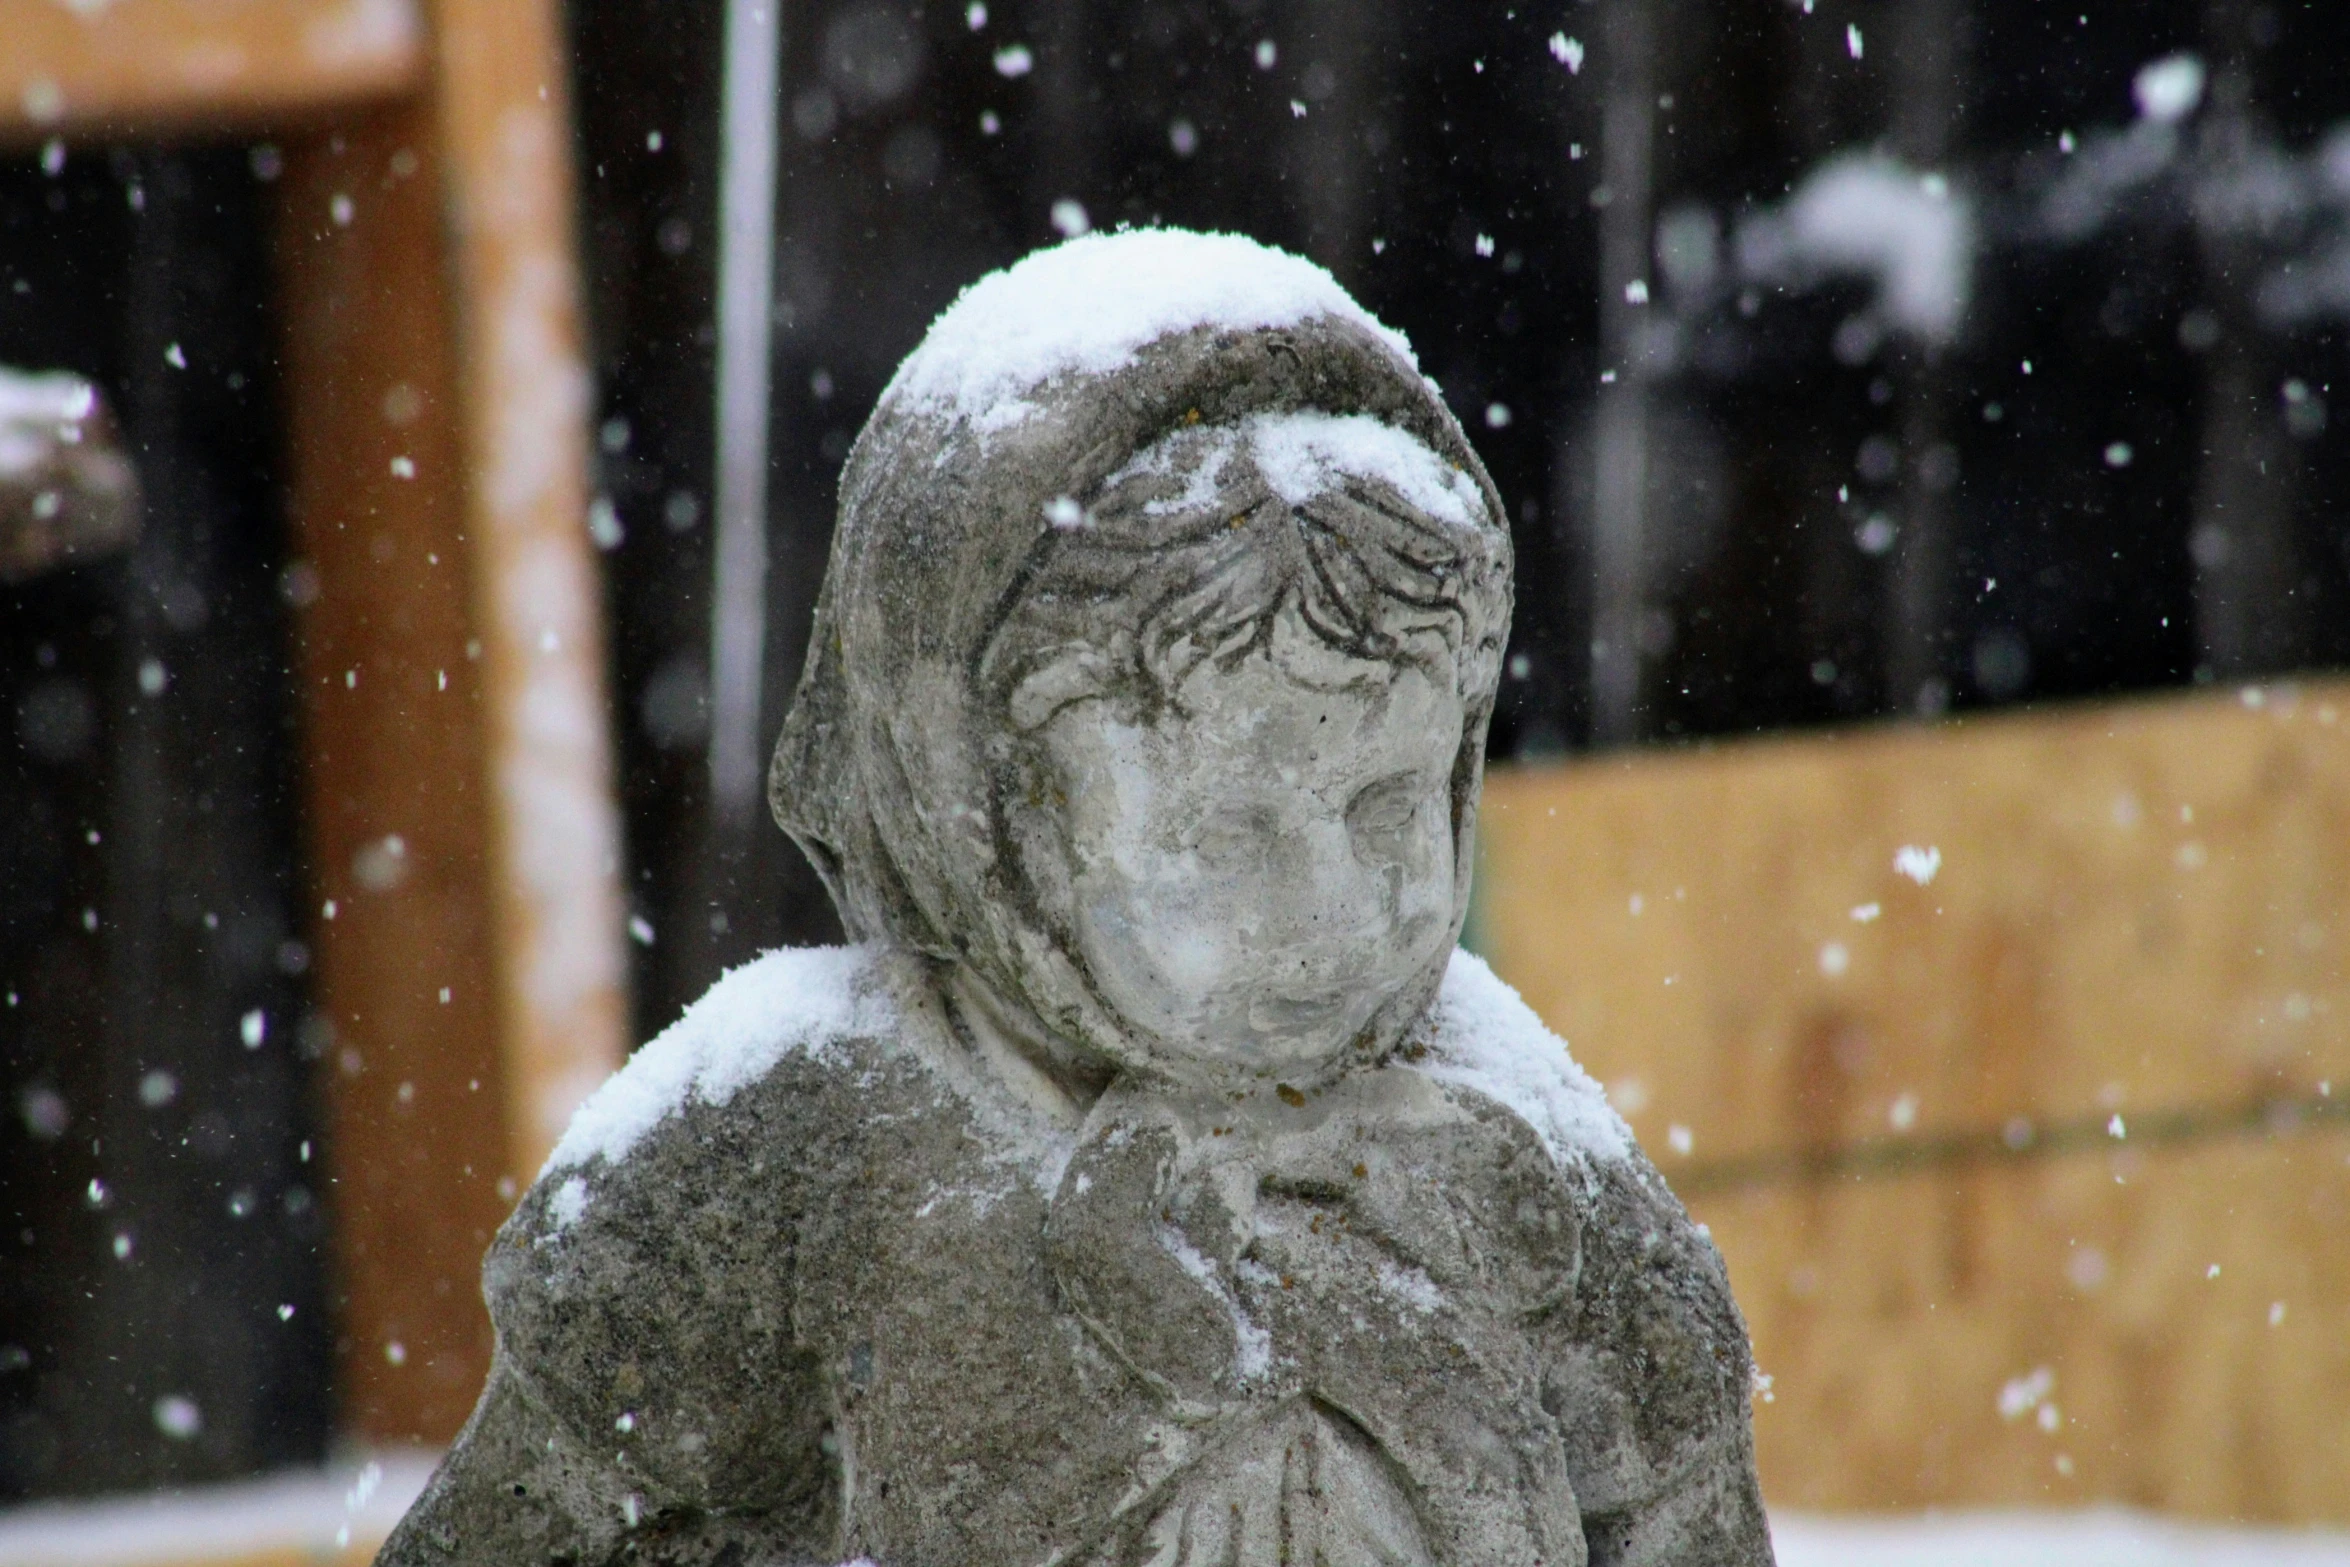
<point>1651,1348</point>
<point>1480,1035</point>
<point>804,1012</point>
<point>776,1067</point>
<point>655,1261</point>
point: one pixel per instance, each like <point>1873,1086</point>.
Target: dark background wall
<point>1446,164</point>
<point>159,1208</point>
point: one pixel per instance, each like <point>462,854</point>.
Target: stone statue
<point>1154,1183</point>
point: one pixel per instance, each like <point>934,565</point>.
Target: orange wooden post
<point>440,406</point>
<point>395,762</point>
<point>502,102</point>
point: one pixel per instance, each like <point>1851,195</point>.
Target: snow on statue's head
<point>1150,679</point>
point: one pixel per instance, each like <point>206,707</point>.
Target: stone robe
<point>832,1317</point>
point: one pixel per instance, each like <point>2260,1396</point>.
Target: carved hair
<point>1167,568</point>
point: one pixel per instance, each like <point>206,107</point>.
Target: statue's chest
<point>974,1418</point>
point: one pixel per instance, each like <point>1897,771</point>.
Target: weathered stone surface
<point>1155,1184</point>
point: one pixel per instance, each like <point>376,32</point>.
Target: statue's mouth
<point>1286,1014</point>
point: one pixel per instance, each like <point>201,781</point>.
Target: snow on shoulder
<point>1087,306</point>
<point>798,998</point>
<point>1488,1039</point>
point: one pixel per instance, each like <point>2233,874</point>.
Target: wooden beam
<point>395,768</point>
<point>454,661</point>
<point>464,836</point>
<point>2000,1114</point>
<point>147,66</point>
<point>502,102</point>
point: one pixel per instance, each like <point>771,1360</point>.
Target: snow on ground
<point>299,1516</point>
<point>2094,1538</point>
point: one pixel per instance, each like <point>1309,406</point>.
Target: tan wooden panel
<point>2138,906</point>
<point>2139,909</point>
<point>148,65</point>
<point>393,748</point>
<point>1892,1314</point>
<point>502,100</point>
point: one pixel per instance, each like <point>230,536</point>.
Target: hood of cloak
<point>894,766</point>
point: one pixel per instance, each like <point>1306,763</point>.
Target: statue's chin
<point>1291,1038</point>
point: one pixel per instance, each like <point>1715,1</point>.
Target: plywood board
<point>1953,1131</point>
<point>1895,1316</point>
<point>2136,907</point>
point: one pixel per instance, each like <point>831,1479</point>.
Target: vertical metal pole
<point>746,273</point>
<point>2249,618</point>
<point>1916,622</point>
<point>1342,49</point>
<point>1619,522</point>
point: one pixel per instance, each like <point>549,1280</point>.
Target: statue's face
<point>1256,873</point>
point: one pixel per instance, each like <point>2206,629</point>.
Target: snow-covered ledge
<point>336,1514</point>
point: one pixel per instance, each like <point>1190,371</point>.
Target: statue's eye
<point>1380,816</point>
